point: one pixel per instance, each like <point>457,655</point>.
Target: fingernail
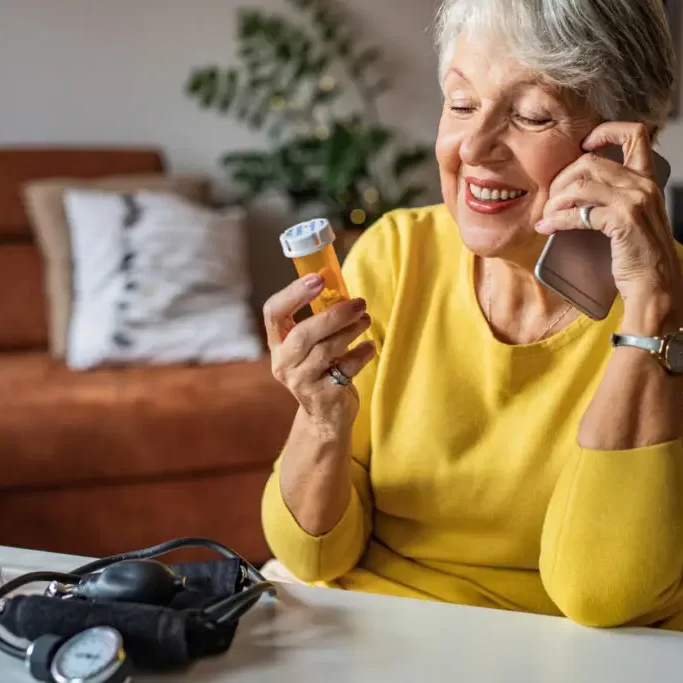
<point>313,281</point>
<point>358,305</point>
<point>365,318</point>
<point>540,225</point>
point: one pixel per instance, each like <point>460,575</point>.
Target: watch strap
<point>652,344</point>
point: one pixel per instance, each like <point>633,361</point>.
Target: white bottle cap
<point>307,237</point>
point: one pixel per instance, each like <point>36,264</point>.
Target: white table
<point>319,635</point>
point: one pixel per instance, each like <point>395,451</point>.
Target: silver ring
<point>338,377</point>
<point>585,215</point>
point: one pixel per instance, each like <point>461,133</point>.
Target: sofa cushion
<point>45,206</point>
<point>158,280</point>
<point>22,311</point>
<point>60,427</point>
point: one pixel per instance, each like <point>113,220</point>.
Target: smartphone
<point>577,264</point>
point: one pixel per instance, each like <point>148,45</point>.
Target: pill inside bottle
<point>310,245</point>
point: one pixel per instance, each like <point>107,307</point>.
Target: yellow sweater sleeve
<point>612,544</point>
<point>368,274</point>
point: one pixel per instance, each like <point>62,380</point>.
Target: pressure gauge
<point>95,655</point>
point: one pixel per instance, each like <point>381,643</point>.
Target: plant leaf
<point>195,82</point>
<point>324,96</point>
<point>249,23</point>
<point>317,66</point>
<point>344,47</point>
<point>230,85</point>
<point>283,50</point>
<point>273,28</point>
<point>346,157</point>
<point>209,89</point>
<point>254,170</point>
<point>407,161</point>
<point>378,137</point>
<point>303,196</point>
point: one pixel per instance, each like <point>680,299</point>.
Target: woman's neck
<point>518,308</point>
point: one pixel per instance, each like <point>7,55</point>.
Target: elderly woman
<point>494,449</point>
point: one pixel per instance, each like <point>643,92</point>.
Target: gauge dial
<point>95,655</point>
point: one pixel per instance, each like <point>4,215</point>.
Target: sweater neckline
<point>555,341</point>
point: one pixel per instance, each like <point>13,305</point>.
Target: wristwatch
<point>667,349</point>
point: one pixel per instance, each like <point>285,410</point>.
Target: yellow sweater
<point>469,485</point>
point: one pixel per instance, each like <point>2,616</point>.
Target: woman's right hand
<point>303,353</point>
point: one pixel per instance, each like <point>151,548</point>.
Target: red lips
<point>490,207</point>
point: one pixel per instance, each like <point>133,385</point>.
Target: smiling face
<point>504,136</point>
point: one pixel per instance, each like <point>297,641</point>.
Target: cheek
<point>448,148</point>
<point>544,166</point>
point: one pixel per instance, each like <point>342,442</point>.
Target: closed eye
<point>533,122</point>
<point>461,110</point>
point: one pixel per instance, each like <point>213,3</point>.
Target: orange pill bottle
<point>310,245</point>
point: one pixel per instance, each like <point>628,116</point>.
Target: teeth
<point>487,194</point>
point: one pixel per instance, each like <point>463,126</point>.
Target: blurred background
<point>78,72</point>
<point>151,152</point>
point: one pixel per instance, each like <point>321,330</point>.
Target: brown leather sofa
<point>115,459</point>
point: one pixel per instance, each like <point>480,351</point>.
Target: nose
<point>482,144</point>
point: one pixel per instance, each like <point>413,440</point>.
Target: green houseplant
<point>295,80</point>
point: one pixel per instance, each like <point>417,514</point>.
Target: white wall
<point>112,71</point>
<point>85,71</point>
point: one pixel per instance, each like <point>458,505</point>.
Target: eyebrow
<point>526,81</point>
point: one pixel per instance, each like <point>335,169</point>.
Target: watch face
<point>674,354</point>
<point>91,655</point>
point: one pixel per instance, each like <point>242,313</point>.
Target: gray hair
<point>618,54</point>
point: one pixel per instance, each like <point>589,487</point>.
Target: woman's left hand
<point>629,208</point>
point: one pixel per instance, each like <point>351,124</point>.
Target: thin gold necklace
<point>556,321</point>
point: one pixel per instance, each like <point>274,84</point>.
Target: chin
<point>503,235</point>
<point>485,242</point>
<point>491,239</point>
<point>488,236</point>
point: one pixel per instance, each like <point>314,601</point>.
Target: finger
<point>592,167</point>
<point>310,332</point>
<point>580,194</point>
<point>353,361</point>
<point>280,308</point>
<point>329,350</point>
<point>633,138</point>
<point>601,218</point>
